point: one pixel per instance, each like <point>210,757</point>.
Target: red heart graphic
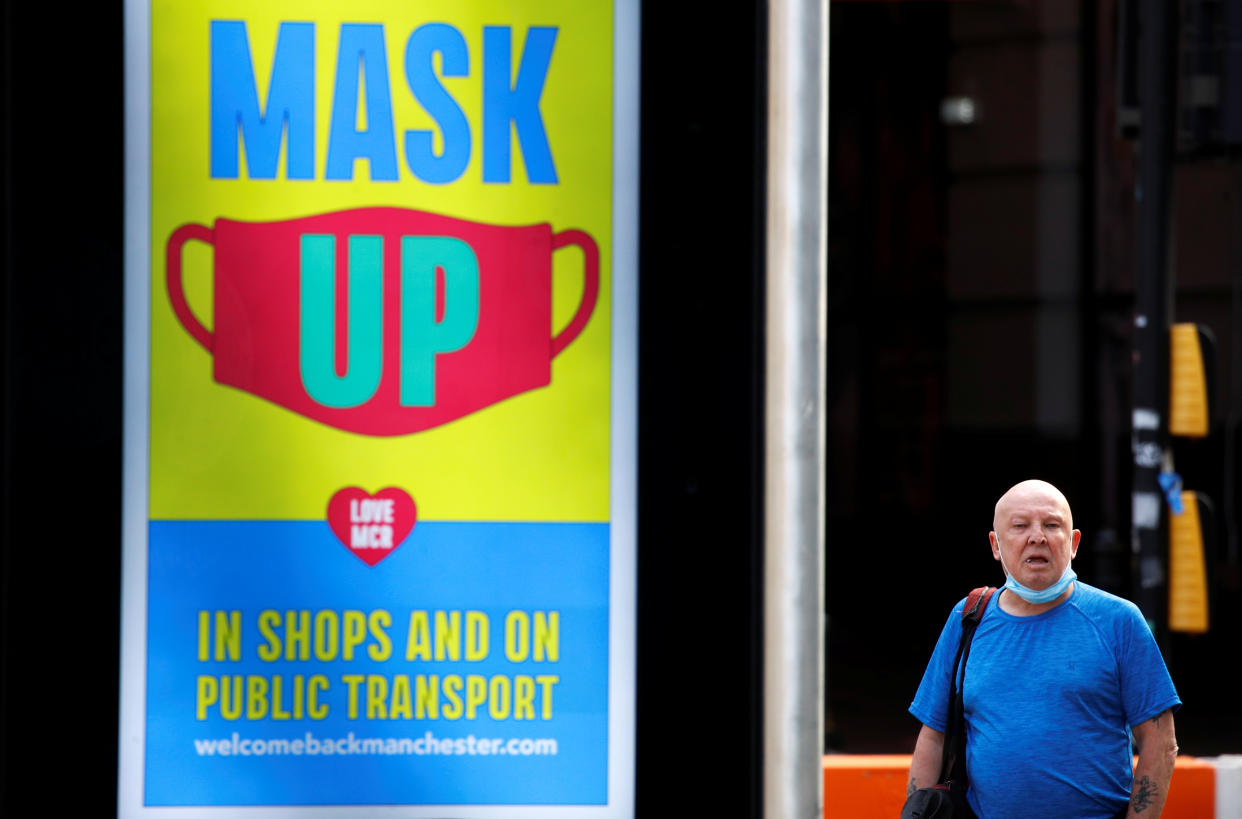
<point>371,526</point>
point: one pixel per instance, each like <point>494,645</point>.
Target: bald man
<point>1062,676</point>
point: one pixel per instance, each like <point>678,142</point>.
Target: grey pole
<point>797,200</point>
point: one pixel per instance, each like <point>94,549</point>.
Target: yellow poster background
<point>217,452</point>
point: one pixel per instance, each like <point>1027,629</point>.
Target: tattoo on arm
<point>1144,792</point>
<point>911,788</point>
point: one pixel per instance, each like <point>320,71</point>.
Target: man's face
<point>1034,534</point>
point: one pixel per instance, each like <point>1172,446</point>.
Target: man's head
<point>1033,533</point>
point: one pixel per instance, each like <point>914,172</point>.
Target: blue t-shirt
<point>1049,701</point>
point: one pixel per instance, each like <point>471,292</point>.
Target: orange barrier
<point>874,787</point>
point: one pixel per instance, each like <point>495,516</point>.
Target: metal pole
<point>794,443</point>
<point>1152,303</point>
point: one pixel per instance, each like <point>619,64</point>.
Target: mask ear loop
<point>1000,554</point>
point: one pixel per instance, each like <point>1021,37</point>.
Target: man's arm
<point>928,756</point>
<point>1157,749</point>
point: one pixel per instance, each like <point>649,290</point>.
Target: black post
<point>1153,306</point>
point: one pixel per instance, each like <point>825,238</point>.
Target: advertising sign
<point>379,478</point>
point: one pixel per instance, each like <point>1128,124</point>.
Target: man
<point>1061,676</point>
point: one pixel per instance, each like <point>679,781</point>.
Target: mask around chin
<point>1036,596</point>
<point>1042,595</point>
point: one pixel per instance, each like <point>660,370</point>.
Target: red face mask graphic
<point>382,321</point>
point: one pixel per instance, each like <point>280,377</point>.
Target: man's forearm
<point>1151,789</point>
<point>1154,771</point>
<point>925,764</point>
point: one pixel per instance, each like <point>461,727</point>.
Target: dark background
<point>60,508</point>
<point>980,305</point>
<point>981,301</point>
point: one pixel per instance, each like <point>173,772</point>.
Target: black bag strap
<point>953,761</point>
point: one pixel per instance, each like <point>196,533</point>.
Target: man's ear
<point>1075,536</point>
<point>994,541</point>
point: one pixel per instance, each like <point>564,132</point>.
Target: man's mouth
<point>1036,561</point>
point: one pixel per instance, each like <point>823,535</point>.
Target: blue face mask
<point>1037,596</point>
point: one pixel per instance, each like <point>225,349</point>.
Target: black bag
<point>934,802</point>
<point>947,798</point>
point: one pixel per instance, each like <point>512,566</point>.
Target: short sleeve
<point>931,701</point>
<point>1146,687</point>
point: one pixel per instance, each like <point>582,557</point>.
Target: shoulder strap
<point>976,604</point>
<point>953,762</point>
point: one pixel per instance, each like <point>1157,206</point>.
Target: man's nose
<point>1036,536</point>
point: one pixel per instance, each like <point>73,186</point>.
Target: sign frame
<point>622,447</point>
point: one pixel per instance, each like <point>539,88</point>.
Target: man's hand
<point>925,765</point>
<point>1157,750</point>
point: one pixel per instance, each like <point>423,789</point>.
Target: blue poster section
<point>469,666</point>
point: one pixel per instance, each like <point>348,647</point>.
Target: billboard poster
<point>379,476</point>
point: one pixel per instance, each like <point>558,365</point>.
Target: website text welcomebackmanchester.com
<point>350,745</point>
